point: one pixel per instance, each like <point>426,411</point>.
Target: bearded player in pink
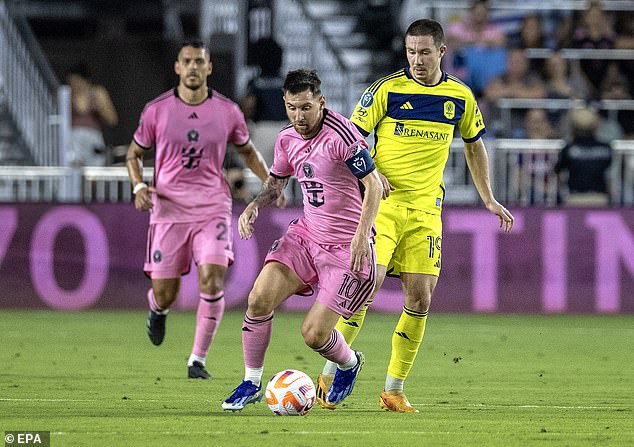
<point>331,244</point>
<point>189,202</point>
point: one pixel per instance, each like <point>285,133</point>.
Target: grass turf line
<point>94,379</point>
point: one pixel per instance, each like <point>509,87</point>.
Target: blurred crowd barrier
<point>72,257</point>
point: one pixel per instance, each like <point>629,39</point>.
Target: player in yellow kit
<point>414,113</point>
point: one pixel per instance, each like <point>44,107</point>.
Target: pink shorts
<point>172,246</point>
<point>340,289</point>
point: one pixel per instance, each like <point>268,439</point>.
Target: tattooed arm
<point>272,188</point>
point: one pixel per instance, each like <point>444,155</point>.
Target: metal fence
<point>521,173</point>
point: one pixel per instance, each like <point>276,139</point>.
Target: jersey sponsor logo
<point>361,112</point>
<point>193,116</point>
<point>367,99</point>
<point>406,106</point>
<point>449,109</point>
<point>192,136</point>
<point>402,131</point>
<point>314,193</point>
<point>308,170</point>
<point>190,158</point>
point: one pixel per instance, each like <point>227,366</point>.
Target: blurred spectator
<point>537,126</point>
<point>476,47</point>
<point>477,28</point>
<point>530,35</point>
<point>517,82</point>
<point>583,164</point>
<point>263,106</point>
<point>92,108</point>
<point>624,28</point>
<point>593,31</point>
<point>559,83</point>
<point>535,173</point>
<point>615,86</point>
<point>263,101</point>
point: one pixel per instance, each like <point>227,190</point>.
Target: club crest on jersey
<point>367,99</point>
<point>308,170</point>
<point>192,136</point>
<point>157,257</point>
<point>450,109</point>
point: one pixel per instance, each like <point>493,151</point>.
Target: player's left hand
<point>359,253</point>
<point>506,218</point>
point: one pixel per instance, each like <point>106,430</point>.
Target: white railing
<point>505,107</point>
<point>522,173</point>
<point>65,184</point>
<point>41,117</point>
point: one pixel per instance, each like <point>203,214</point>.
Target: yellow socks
<point>350,328</point>
<point>406,340</point>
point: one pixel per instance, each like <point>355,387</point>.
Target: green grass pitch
<point>94,379</point>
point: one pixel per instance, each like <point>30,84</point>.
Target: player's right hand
<point>246,220</point>
<point>143,199</point>
<point>387,186</point>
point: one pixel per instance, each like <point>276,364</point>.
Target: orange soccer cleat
<point>323,385</point>
<point>396,401</point>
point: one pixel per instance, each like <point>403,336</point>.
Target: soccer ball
<point>290,393</point>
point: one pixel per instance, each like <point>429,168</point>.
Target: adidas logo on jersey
<point>193,116</point>
<point>407,106</point>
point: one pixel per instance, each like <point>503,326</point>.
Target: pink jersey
<point>331,192</point>
<point>191,142</point>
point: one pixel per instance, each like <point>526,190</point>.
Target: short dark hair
<point>427,27</point>
<point>194,43</point>
<point>301,80</point>
<point>80,69</point>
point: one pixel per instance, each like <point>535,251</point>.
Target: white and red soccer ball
<point>290,393</point>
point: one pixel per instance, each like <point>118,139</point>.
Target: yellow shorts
<point>408,240</point>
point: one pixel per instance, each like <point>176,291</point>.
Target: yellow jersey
<point>414,125</point>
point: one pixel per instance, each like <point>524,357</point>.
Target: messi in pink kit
<point>331,244</point>
<point>189,202</point>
